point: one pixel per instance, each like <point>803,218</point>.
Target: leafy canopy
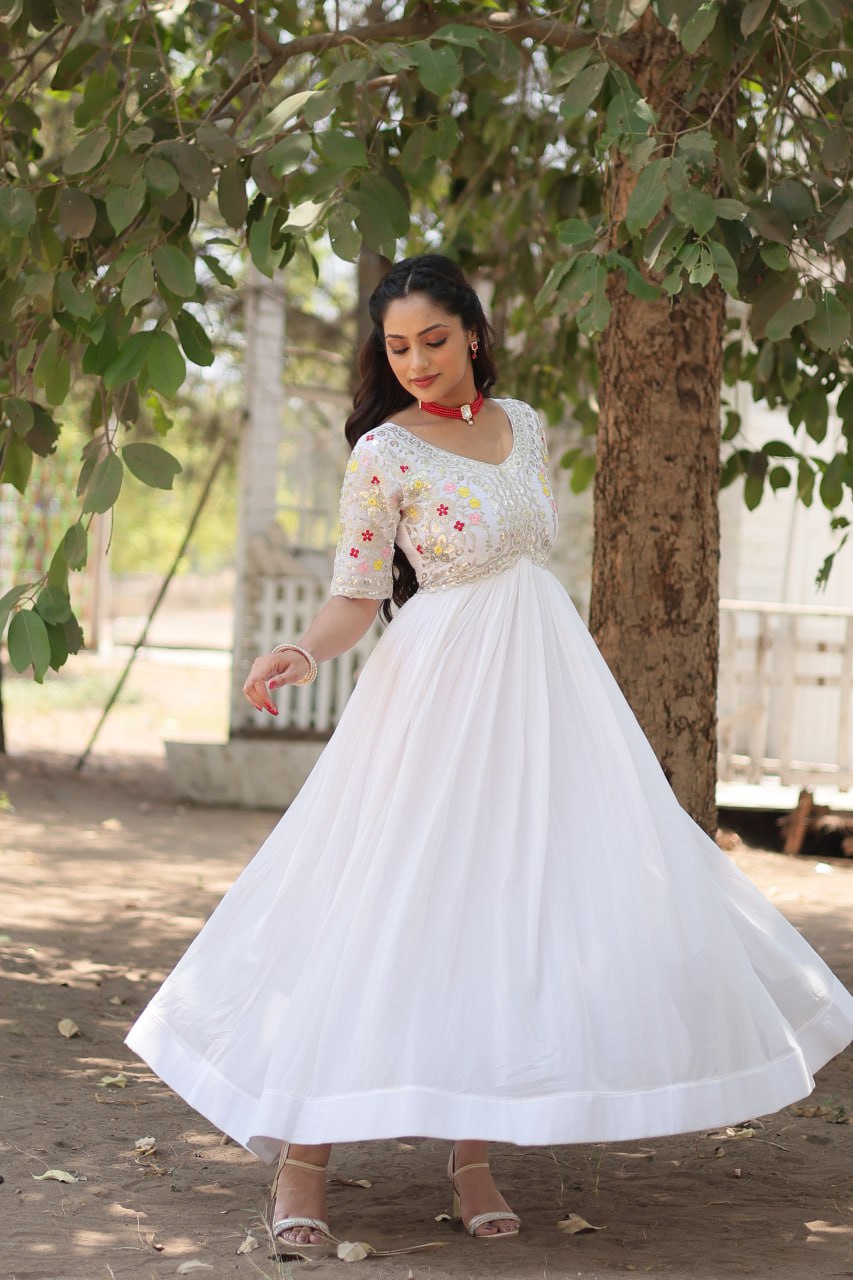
<point>145,143</point>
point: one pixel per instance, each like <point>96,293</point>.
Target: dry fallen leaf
<point>737,1173</point>
<point>145,1146</point>
<point>68,1028</point>
<point>810,1112</point>
<point>186,1268</point>
<point>249,1244</point>
<point>574,1223</point>
<point>55,1175</point>
<point>442,1217</point>
<point>117,1082</point>
<point>354,1182</point>
<point>353,1251</point>
<point>116,1000</point>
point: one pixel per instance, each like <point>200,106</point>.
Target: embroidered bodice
<point>456,519</point>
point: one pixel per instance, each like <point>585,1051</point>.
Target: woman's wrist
<point>309,658</point>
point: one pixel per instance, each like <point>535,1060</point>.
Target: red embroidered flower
<point>404,469</point>
<point>354,552</point>
<point>460,524</point>
<point>368,437</point>
<point>420,549</point>
<point>367,536</point>
<point>375,480</point>
<point>442,509</point>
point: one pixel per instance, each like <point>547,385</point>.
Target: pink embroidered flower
<point>354,552</point>
<point>442,509</point>
<point>367,535</point>
<point>460,524</point>
<point>368,437</point>
<point>385,553</point>
<point>475,517</point>
<point>449,486</point>
<point>363,567</point>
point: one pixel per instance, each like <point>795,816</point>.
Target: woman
<point>485,915</point>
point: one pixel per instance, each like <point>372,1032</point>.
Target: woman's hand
<point>273,670</point>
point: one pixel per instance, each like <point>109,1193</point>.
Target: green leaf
<point>592,318</point>
<point>53,605</point>
<point>231,195</point>
<point>130,360</point>
<point>795,312</point>
<point>138,284</point>
<point>691,206</point>
<point>9,600</point>
<point>829,328</point>
<point>75,546</point>
<point>77,213</point>
<point>775,256</point>
<point>175,270</point>
<point>351,72</point>
<point>58,645</point>
<point>166,367</point>
<point>288,155</point>
<point>161,177</point>
<point>19,413</point>
<point>383,215</point>
<point>635,282</point>
<point>81,305</point>
<point>835,151</point>
<point>699,26</point>
<point>648,195</point>
<point>842,222</point>
<point>805,483</point>
<point>343,236</point>
<point>831,488</point>
<point>730,210</point>
<point>456,33</point>
<point>794,200</point>
<point>753,489</point>
<point>88,152</point>
<point>304,216</point>
<point>771,222</point>
<point>439,70</point>
<point>582,472</point>
<point>779,477</point>
<point>105,485</point>
<point>193,338</point>
<point>17,210</point>
<point>725,267</point>
<point>583,90</point>
<point>68,70</point>
<point>343,150</point>
<point>753,16</point>
<point>152,465</point>
<point>124,203</point>
<point>286,110</point>
<point>575,231</point>
<point>28,643</point>
<point>567,67</point>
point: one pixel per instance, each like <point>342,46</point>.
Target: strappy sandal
<point>296,1248</point>
<point>479,1218</point>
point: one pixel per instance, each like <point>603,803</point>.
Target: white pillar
<point>259,451</point>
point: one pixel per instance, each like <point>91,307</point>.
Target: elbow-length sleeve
<point>371,498</point>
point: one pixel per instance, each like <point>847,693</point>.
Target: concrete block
<point>247,773</point>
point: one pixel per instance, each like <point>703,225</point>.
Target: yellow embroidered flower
<point>378,564</point>
<point>475,502</point>
<point>463,492</point>
<point>353,466</point>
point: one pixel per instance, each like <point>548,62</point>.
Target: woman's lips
<point>424,382</point>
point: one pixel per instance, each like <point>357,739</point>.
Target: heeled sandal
<point>297,1248</point>
<point>478,1218</point>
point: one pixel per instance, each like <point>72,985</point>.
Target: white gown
<point>485,915</point>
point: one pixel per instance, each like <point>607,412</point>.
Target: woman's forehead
<point>410,316</point>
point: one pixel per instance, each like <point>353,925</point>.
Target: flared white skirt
<point>485,915</point>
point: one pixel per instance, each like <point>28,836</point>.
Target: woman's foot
<point>477,1191</point>
<point>301,1193</point>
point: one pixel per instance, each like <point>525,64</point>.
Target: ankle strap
<point>465,1167</point>
<point>303,1164</point>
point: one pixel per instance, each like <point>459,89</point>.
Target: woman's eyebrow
<point>401,338</point>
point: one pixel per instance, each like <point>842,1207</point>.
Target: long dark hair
<point>379,394</point>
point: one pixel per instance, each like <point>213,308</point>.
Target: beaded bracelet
<point>312,661</point>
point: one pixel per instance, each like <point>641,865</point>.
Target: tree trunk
<point>654,609</point>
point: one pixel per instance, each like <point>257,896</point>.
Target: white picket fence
<point>785,689</point>
<point>786,682</point>
<point>284,606</point>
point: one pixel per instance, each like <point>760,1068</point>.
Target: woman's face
<point>429,350</point>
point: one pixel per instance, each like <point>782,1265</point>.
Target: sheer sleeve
<point>371,497</point>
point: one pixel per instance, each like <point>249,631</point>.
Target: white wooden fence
<point>786,682</point>
<point>283,607</point>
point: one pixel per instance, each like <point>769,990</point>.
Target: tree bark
<point>654,609</point>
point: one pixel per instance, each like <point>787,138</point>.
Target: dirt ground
<point>104,879</point>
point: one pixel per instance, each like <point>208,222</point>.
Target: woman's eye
<point>437,344</point>
<point>401,352</point>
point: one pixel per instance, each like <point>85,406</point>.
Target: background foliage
<point>145,144</point>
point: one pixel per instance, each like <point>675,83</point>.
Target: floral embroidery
<point>475,517</point>
<point>375,480</point>
<point>460,524</point>
<point>404,469</point>
<point>449,486</point>
<point>442,509</point>
<point>367,535</point>
<point>368,437</point>
<point>354,552</point>
<point>462,491</point>
<point>419,549</point>
<point>378,564</point>
<point>474,502</point>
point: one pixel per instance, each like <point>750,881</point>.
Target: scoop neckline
<point>464,457</point>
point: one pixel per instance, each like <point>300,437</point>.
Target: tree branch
<point>544,31</point>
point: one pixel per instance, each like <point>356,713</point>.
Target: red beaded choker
<point>466,411</point>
